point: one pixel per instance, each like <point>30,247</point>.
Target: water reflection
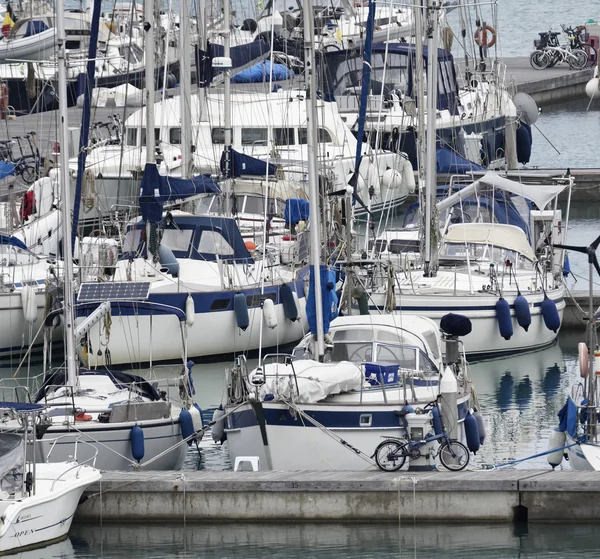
<point>520,397</point>
<point>309,541</point>
<point>59,550</point>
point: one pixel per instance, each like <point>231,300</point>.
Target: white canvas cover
<point>315,381</point>
<point>497,234</point>
<point>540,194</point>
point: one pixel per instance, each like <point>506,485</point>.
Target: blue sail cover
<point>448,161</point>
<point>241,55</point>
<point>12,241</point>
<point>296,210</point>
<point>329,299</point>
<point>157,190</point>
<point>242,164</point>
<point>261,72</point>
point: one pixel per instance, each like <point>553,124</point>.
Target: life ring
<point>482,40</point>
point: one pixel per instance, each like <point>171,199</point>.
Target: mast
<point>150,71</point>
<point>185,89</point>
<point>66,199</point>
<point>418,76</point>
<point>227,202</point>
<point>430,169</point>
<point>313,179</point>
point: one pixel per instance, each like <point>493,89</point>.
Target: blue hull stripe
<point>331,419</point>
<point>203,302</point>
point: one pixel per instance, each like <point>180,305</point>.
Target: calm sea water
<point>329,541</point>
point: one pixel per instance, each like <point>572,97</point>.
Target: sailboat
<point>576,436</point>
<point>127,421</point>
<point>507,279</point>
<point>328,405</point>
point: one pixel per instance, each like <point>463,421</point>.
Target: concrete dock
<point>552,85</point>
<point>343,496</point>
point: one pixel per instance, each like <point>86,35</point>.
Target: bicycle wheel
<point>538,59</point>
<point>389,457</point>
<point>29,174</point>
<point>454,456</point>
<point>578,59</point>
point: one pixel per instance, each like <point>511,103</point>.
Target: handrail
<point>78,440</point>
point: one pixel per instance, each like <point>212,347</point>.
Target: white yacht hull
<point>16,333</point>
<point>485,340</point>
<point>113,444</point>
<point>582,457</point>
<point>296,444</point>
<point>46,516</point>
<point>139,338</point>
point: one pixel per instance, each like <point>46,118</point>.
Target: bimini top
<point>497,234</point>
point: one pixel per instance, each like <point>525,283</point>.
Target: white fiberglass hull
<point>296,444</point>
<point>17,333</point>
<point>579,454</point>
<point>485,340</point>
<point>46,516</point>
<point>144,338</point>
<point>112,442</point>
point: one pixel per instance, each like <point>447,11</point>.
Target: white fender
<point>556,440</point>
<point>28,303</point>
<point>218,429</point>
<point>190,311</point>
<point>592,89</point>
<point>196,421</point>
<point>391,178</point>
<point>408,176</point>
<point>269,313</point>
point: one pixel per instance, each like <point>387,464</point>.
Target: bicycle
<point>549,52</point>
<point>391,454</point>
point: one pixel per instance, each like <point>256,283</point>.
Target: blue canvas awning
<point>157,190</point>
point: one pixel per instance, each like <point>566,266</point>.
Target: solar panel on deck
<point>114,291</point>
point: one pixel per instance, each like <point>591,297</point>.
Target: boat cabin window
<point>352,335</point>
<point>398,246</point>
<point>484,252</point>
<point>217,135</point>
<point>254,136</point>
<point>156,136</point>
<point>432,341</point>
<point>324,137</point>
<point>405,356</point>
<point>284,136</point>
<point>132,137</point>
<point>132,241</point>
<point>212,242</point>
<point>359,352</point>
<point>177,239</point>
<point>256,205</point>
<point>175,136</point>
